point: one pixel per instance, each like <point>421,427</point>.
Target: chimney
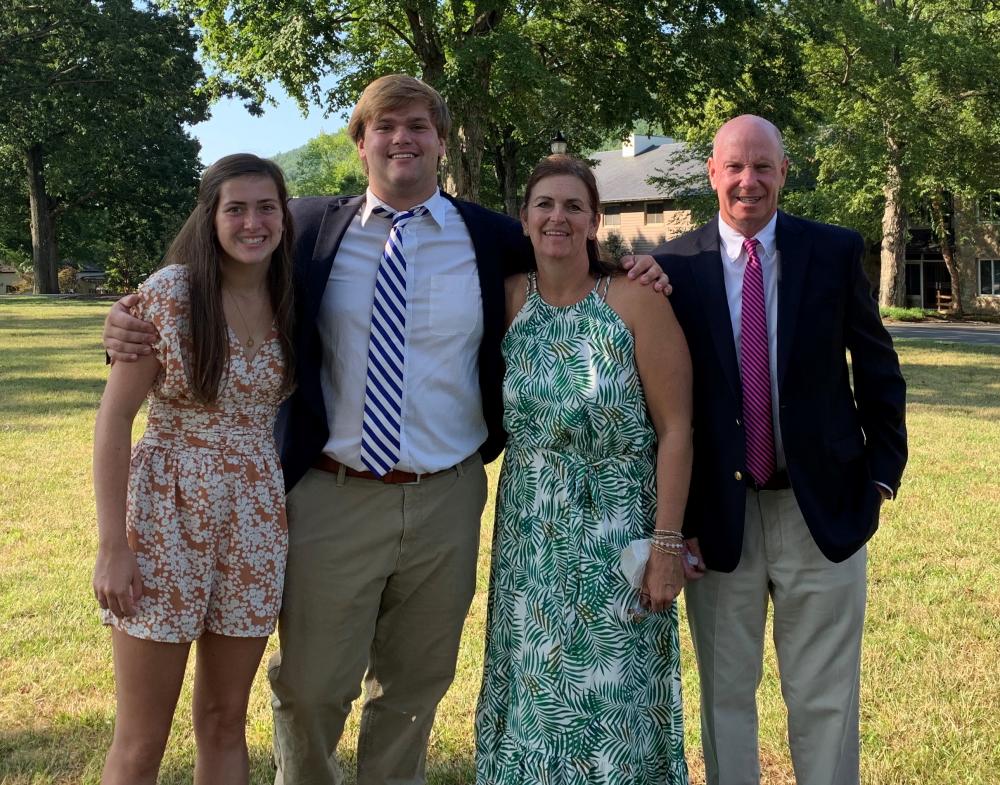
<point>637,144</point>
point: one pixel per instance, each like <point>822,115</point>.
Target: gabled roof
<point>623,179</point>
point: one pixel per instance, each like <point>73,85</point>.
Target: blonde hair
<point>391,92</point>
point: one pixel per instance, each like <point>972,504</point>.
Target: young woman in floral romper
<point>192,532</point>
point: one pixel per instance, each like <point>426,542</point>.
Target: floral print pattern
<point>205,513</point>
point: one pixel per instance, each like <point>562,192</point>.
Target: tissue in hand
<point>633,562</point>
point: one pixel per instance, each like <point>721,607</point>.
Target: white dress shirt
<point>734,263</point>
<point>442,411</point>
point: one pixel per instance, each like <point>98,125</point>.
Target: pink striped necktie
<point>755,370</point>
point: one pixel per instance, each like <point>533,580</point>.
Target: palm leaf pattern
<point>574,691</point>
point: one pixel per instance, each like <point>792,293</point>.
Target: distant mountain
<point>289,161</point>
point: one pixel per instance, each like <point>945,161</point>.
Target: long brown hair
<point>196,247</point>
<point>568,165</point>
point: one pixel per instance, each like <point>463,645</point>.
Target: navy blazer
<point>836,440</point>
<point>320,224</point>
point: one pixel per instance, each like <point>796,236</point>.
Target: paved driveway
<point>984,334</point>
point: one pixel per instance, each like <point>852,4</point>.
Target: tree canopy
<point>908,106</point>
<point>95,98</point>
<point>512,73</point>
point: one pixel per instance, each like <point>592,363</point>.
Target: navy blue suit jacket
<point>320,223</point>
<point>836,439</point>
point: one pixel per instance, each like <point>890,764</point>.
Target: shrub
<point>615,246</point>
<point>901,314</point>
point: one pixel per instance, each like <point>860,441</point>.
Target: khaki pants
<point>819,610</point>
<point>379,580</point>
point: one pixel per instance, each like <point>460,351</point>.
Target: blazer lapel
<point>706,267</point>
<point>794,245</point>
<point>337,218</point>
<point>488,263</point>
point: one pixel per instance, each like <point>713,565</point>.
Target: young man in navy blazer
<point>382,566</point>
<point>833,452</point>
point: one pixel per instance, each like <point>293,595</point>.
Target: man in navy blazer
<point>836,445</point>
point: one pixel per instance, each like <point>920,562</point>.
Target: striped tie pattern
<point>380,430</point>
<point>755,370</point>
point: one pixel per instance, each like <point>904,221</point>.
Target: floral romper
<point>205,514</point>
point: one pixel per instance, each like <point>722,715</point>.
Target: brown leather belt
<point>778,482</point>
<point>395,477</point>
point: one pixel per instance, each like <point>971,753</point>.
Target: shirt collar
<point>732,240</point>
<point>436,205</point>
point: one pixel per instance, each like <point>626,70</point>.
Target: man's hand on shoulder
<point>125,338</point>
<point>645,269</point>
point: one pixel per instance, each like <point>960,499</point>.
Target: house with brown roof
<point>638,212</point>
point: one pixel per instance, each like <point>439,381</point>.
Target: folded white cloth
<point>633,561</point>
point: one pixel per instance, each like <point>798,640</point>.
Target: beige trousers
<point>379,580</point>
<point>819,610</point>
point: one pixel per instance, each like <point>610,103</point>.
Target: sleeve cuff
<point>892,493</point>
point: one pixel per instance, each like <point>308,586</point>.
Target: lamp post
<point>558,144</point>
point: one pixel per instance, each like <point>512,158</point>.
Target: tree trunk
<point>465,156</point>
<point>947,251</point>
<point>506,166</point>
<point>43,229</point>
<point>892,290</point>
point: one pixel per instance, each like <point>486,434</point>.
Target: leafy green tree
<point>909,102</point>
<point>512,72</point>
<point>95,98</point>
<point>327,164</point>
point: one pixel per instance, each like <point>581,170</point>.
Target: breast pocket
<point>456,304</point>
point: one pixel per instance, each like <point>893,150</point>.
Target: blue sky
<point>232,129</point>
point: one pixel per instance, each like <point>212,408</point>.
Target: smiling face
<point>747,170</point>
<point>400,151</point>
<point>559,218</point>
<point>248,220</point>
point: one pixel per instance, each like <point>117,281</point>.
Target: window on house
<point>988,208</point>
<point>654,212</point>
<point>989,276</point>
<point>612,215</point>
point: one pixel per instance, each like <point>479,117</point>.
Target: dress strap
<point>602,290</point>
<point>532,285</point>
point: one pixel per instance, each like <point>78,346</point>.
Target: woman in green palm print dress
<point>581,684</point>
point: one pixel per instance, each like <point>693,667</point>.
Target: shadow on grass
<point>74,750</point>
<point>969,390</point>
<point>25,321</point>
<point>29,397</point>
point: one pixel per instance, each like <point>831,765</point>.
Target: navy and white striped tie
<point>380,431</point>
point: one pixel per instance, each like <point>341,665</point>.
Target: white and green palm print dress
<point>576,689</point>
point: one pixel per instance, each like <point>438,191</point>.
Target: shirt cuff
<point>892,494</point>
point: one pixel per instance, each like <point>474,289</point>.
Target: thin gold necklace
<point>246,325</point>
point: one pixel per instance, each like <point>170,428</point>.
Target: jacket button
<point>739,422</point>
<point>738,476</point>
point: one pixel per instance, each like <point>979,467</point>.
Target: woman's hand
<point>117,582</point>
<point>662,581</point>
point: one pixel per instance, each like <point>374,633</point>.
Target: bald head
<point>749,124</point>
<point>747,171</point>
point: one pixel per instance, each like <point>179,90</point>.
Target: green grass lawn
<point>931,681</point>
